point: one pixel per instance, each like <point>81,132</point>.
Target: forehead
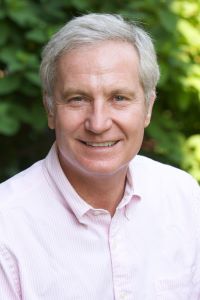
<point>107,65</point>
<point>99,58</point>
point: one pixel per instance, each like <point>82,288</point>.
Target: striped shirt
<point>55,246</point>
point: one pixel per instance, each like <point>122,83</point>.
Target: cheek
<point>67,122</point>
<point>134,120</point>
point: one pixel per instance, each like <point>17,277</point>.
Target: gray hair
<point>93,28</point>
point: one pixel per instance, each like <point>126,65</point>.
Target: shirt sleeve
<point>9,279</point>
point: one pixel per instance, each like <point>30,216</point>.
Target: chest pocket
<point>178,288</point>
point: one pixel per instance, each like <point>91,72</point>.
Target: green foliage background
<point>26,25</point>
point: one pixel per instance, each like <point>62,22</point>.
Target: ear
<point>49,111</point>
<point>149,109</point>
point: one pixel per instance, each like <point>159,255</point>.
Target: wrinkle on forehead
<point>99,56</point>
<point>110,65</point>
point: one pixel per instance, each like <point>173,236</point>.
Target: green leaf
<point>8,54</point>
<point>9,84</point>
<point>168,20</point>
<point>8,124</point>
<point>2,11</point>
<point>33,77</point>
<point>5,32</point>
<point>23,14</point>
<point>191,159</point>
<point>80,4</point>
<point>37,117</point>
<point>185,8</point>
<point>37,35</point>
<point>190,32</point>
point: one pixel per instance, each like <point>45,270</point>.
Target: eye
<point>119,98</point>
<point>76,99</point>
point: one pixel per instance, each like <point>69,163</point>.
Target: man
<point>94,220</point>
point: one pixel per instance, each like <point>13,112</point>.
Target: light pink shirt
<point>54,246</point>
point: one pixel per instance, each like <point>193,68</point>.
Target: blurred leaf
<point>5,31</point>
<point>33,78</point>
<point>169,138</point>
<point>37,117</point>
<point>8,54</point>
<point>191,161</point>
<point>80,4</point>
<point>168,20</point>
<point>22,12</point>
<point>190,32</point>
<point>27,59</point>
<point>9,84</point>
<point>188,9</point>
<point>37,35</point>
<point>8,124</point>
<point>2,14</point>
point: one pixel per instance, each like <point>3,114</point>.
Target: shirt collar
<point>131,194</point>
<point>73,200</point>
<point>137,176</point>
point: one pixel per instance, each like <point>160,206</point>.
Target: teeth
<point>106,144</point>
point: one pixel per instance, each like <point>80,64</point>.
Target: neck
<point>100,191</point>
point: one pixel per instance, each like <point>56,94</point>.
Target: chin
<point>103,169</point>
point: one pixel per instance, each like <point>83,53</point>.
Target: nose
<point>99,119</point>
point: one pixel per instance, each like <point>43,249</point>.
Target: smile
<point>102,144</point>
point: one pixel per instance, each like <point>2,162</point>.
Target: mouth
<point>100,144</point>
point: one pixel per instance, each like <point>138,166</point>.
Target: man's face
<point>100,111</point>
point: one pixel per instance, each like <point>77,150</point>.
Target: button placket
<point>119,258</point>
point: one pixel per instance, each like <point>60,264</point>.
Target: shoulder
<point>153,170</point>
<point>22,201</point>
<point>169,185</point>
<point>150,164</point>
<point>173,193</point>
<point>21,186</point>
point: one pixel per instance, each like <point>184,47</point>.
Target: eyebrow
<point>72,91</point>
<point>118,91</point>
<point>123,91</point>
